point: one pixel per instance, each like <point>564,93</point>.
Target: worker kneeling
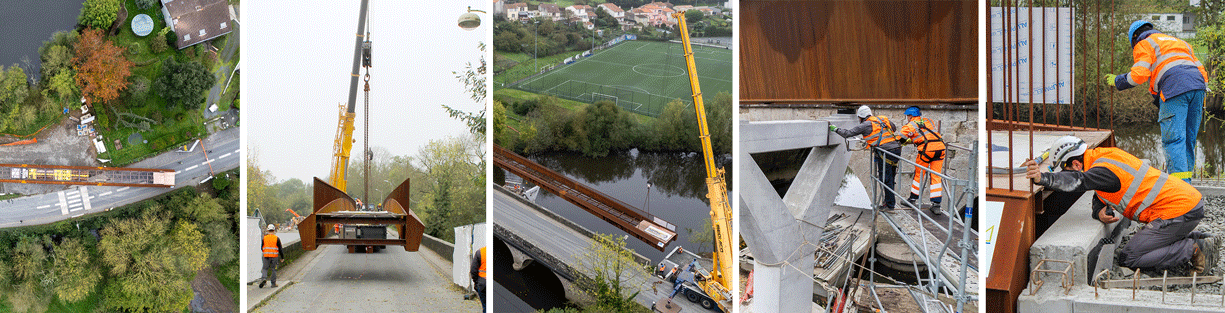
<point>930,145</point>
<point>1123,183</point>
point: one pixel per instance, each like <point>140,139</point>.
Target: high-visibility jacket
<point>482,270</point>
<point>1145,193</point>
<point>1155,56</point>
<point>920,131</point>
<point>270,248</point>
<point>882,132</point>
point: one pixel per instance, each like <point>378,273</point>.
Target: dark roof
<point>197,21</point>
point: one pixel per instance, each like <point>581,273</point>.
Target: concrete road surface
<point>332,280</point>
<point>564,243</point>
<point>190,168</point>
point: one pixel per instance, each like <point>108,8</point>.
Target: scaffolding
<point>947,272</point>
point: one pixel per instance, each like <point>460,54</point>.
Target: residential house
<point>613,10</point>
<point>549,11</point>
<point>196,21</point>
<point>1176,24</point>
<point>513,9</point>
<point>499,7</point>
<point>581,12</point>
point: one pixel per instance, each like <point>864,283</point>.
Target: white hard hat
<point>1063,149</point>
<point>863,111</point>
<point>271,227</point>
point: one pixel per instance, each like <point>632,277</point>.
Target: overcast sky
<point>296,60</point>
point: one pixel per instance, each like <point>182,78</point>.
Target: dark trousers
<point>479,285</point>
<point>886,169</point>
<point>270,269</point>
<point>1163,244</point>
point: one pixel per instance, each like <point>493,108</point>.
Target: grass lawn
<point>520,95</point>
<point>526,66</point>
<point>642,76</point>
<point>173,125</point>
<point>10,196</point>
<point>227,99</point>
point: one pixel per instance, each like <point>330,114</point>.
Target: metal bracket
<point>1065,280</point>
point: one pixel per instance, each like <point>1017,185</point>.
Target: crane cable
<point>366,125</point>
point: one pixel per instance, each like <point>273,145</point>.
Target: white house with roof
<point>613,10</point>
<point>1175,24</point>
<point>582,12</point>
<point>513,9</point>
<point>549,11</point>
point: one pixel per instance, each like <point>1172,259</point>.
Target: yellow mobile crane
<point>366,230</point>
<point>715,285</point>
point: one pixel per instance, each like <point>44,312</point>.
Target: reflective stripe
<point>1181,175</point>
<point>1137,178</point>
<point>1167,67</point>
<point>1152,193</point>
<point>1144,64</point>
<point>1166,56</point>
<point>1131,80</point>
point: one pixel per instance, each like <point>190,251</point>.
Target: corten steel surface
<point>333,206</point>
<point>1010,264</point>
<point>87,175</point>
<point>620,214</point>
<point>851,51</point>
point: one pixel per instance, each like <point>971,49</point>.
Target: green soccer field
<point>641,76</point>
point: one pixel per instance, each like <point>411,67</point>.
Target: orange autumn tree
<point>102,70</point>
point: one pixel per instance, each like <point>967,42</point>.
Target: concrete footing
<point>1082,300</point>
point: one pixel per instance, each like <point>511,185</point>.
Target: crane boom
<point>344,131</point>
<point>718,287</point>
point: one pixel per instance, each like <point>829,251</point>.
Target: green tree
<point>615,273</point>
<point>102,69</point>
<point>146,4</point>
<point>99,14</point>
<point>473,78</point>
<point>183,83</point>
<point>693,17</point>
<point>76,271</point>
<point>29,261</point>
<point>499,123</point>
<point>151,262</point>
<point>63,85</point>
<point>55,59</point>
<point>606,127</point>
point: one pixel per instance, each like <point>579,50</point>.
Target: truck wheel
<point>691,295</point>
<point>707,303</point>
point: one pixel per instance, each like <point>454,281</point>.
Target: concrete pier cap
<point>782,230</point>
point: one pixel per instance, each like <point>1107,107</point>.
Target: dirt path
<point>211,296</point>
<point>57,145</point>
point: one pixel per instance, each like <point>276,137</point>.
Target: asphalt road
<point>190,168</point>
<point>564,243</point>
<point>392,280</point>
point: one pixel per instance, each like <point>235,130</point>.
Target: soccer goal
<point>596,97</point>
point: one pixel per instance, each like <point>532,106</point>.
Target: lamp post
<point>648,203</point>
<point>470,21</point>
<point>536,53</point>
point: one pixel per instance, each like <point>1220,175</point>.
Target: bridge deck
<point>645,227</point>
<point>86,175</point>
<point>566,244</point>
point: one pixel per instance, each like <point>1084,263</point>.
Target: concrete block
<point>1069,239</point>
<point>757,137</point>
<point>777,287</point>
<point>1082,299</point>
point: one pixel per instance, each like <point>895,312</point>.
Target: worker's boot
<point>262,282</point>
<point>935,209</point>
<point>914,201</point>
<point>1205,256</point>
<point>274,284</point>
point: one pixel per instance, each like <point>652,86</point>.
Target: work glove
<point>1110,79</point>
<point>833,128</point>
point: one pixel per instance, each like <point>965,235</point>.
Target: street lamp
<point>470,21</point>
<point>648,203</point>
<point>536,54</point>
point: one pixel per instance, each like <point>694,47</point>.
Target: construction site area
<point>1099,197</point>
<point>824,227</point>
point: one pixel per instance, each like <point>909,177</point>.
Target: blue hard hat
<point>913,111</point>
<point>1131,31</point>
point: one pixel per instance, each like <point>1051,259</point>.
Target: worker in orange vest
<point>271,248</point>
<point>930,145</point>
<point>1177,80</point>
<point>478,275</point>
<point>1129,186</point>
<point>877,132</point>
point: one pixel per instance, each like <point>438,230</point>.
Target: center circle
<point>659,70</point>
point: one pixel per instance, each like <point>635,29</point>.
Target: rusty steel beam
<point>621,215</point>
<point>332,207</point>
<point>80,183</point>
<point>125,169</point>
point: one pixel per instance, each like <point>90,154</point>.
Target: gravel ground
<point>1213,223</point>
<point>57,145</point>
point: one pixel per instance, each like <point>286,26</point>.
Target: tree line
<point>139,258</point>
<point>596,130</point>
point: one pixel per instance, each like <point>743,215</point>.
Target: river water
<point>25,24</point>
<point>677,195</point>
<point>1144,141</point>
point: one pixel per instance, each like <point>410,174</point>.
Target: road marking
<point>224,155</point>
<point>63,204</point>
<point>72,193</point>
<point>237,151</point>
<point>206,162</point>
<point>74,200</point>
<point>177,172</point>
<point>105,194</point>
<point>191,168</point>
<point>44,206</point>
<point>78,215</point>
<point>122,189</point>
<point>85,197</point>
